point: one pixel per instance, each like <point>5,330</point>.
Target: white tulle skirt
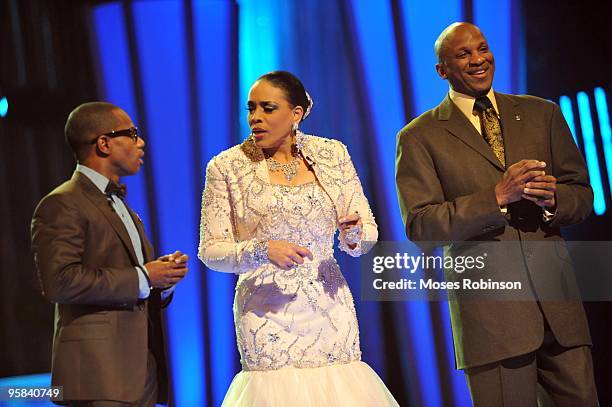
<point>352,384</point>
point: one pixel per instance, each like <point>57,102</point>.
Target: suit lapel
<point>459,126</point>
<point>101,202</point>
<point>510,113</point>
<point>146,245</point>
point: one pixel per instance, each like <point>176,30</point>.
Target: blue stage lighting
<point>259,29</point>
<point>590,150</point>
<point>4,107</point>
<point>159,33</point>
<point>566,108</point>
<point>601,104</point>
<point>213,41</point>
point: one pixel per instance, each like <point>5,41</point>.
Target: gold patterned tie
<point>491,127</point>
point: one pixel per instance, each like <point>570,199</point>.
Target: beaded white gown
<point>297,330</point>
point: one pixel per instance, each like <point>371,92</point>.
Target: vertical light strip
<point>590,151</point>
<point>161,45</point>
<point>4,107</point>
<point>116,84</point>
<point>603,116</point>
<point>568,112</point>
<point>377,56</point>
<point>518,50</point>
<point>213,50</point>
<point>375,38</point>
<point>494,19</point>
<point>373,26</point>
<point>424,23</point>
<point>261,25</point>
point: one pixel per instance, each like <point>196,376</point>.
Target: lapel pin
<point>517,117</point>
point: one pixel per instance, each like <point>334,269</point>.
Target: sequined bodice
<point>304,317</point>
<point>303,215</point>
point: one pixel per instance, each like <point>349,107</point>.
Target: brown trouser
<point>148,398</point>
<point>565,374</point>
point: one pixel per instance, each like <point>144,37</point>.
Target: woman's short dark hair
<point>292,86</point>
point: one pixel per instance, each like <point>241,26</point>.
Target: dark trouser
<point>147,399</point>
<point>565,374</point>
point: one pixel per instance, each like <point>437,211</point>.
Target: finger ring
<point>352,236</point>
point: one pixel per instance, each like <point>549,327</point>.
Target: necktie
<point>491,127</point>
<point>114,188</point>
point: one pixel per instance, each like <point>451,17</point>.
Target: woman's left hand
<point>350,228</point>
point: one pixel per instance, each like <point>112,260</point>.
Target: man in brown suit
<point>487,166</point>
<point>96,264</point>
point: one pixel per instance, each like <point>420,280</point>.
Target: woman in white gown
<point>270,210</point>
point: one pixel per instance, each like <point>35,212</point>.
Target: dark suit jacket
<point>85,261</point>
<point>446,173</point>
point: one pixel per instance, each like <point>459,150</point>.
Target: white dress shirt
<point>100,181</point>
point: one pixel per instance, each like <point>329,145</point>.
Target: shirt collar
<point>465,103</point>
<point>99,180</point>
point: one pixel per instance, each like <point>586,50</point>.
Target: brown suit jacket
<point>446,173</point>
<point>85,261</point>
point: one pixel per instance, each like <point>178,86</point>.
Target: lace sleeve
<point>356,202</point>
<point>219,247</point>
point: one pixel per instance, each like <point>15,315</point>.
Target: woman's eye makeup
<point>268,108</point>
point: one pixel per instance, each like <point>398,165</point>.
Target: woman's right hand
<point>285,255</point>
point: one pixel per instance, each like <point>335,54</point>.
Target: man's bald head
<point>465,60</point>
<point>440,46</point>
<point>88,121</point>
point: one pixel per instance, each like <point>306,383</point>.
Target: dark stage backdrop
<point>46,70</point>
<point>182,70</point>
<point>579,61</point>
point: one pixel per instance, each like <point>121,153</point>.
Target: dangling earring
<point>298,141</point>
<point>296,147</point>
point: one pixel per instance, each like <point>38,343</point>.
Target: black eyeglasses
<point>132,133</point>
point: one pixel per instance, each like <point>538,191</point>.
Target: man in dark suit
<point>487,166</point>
<point>96,264</point>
